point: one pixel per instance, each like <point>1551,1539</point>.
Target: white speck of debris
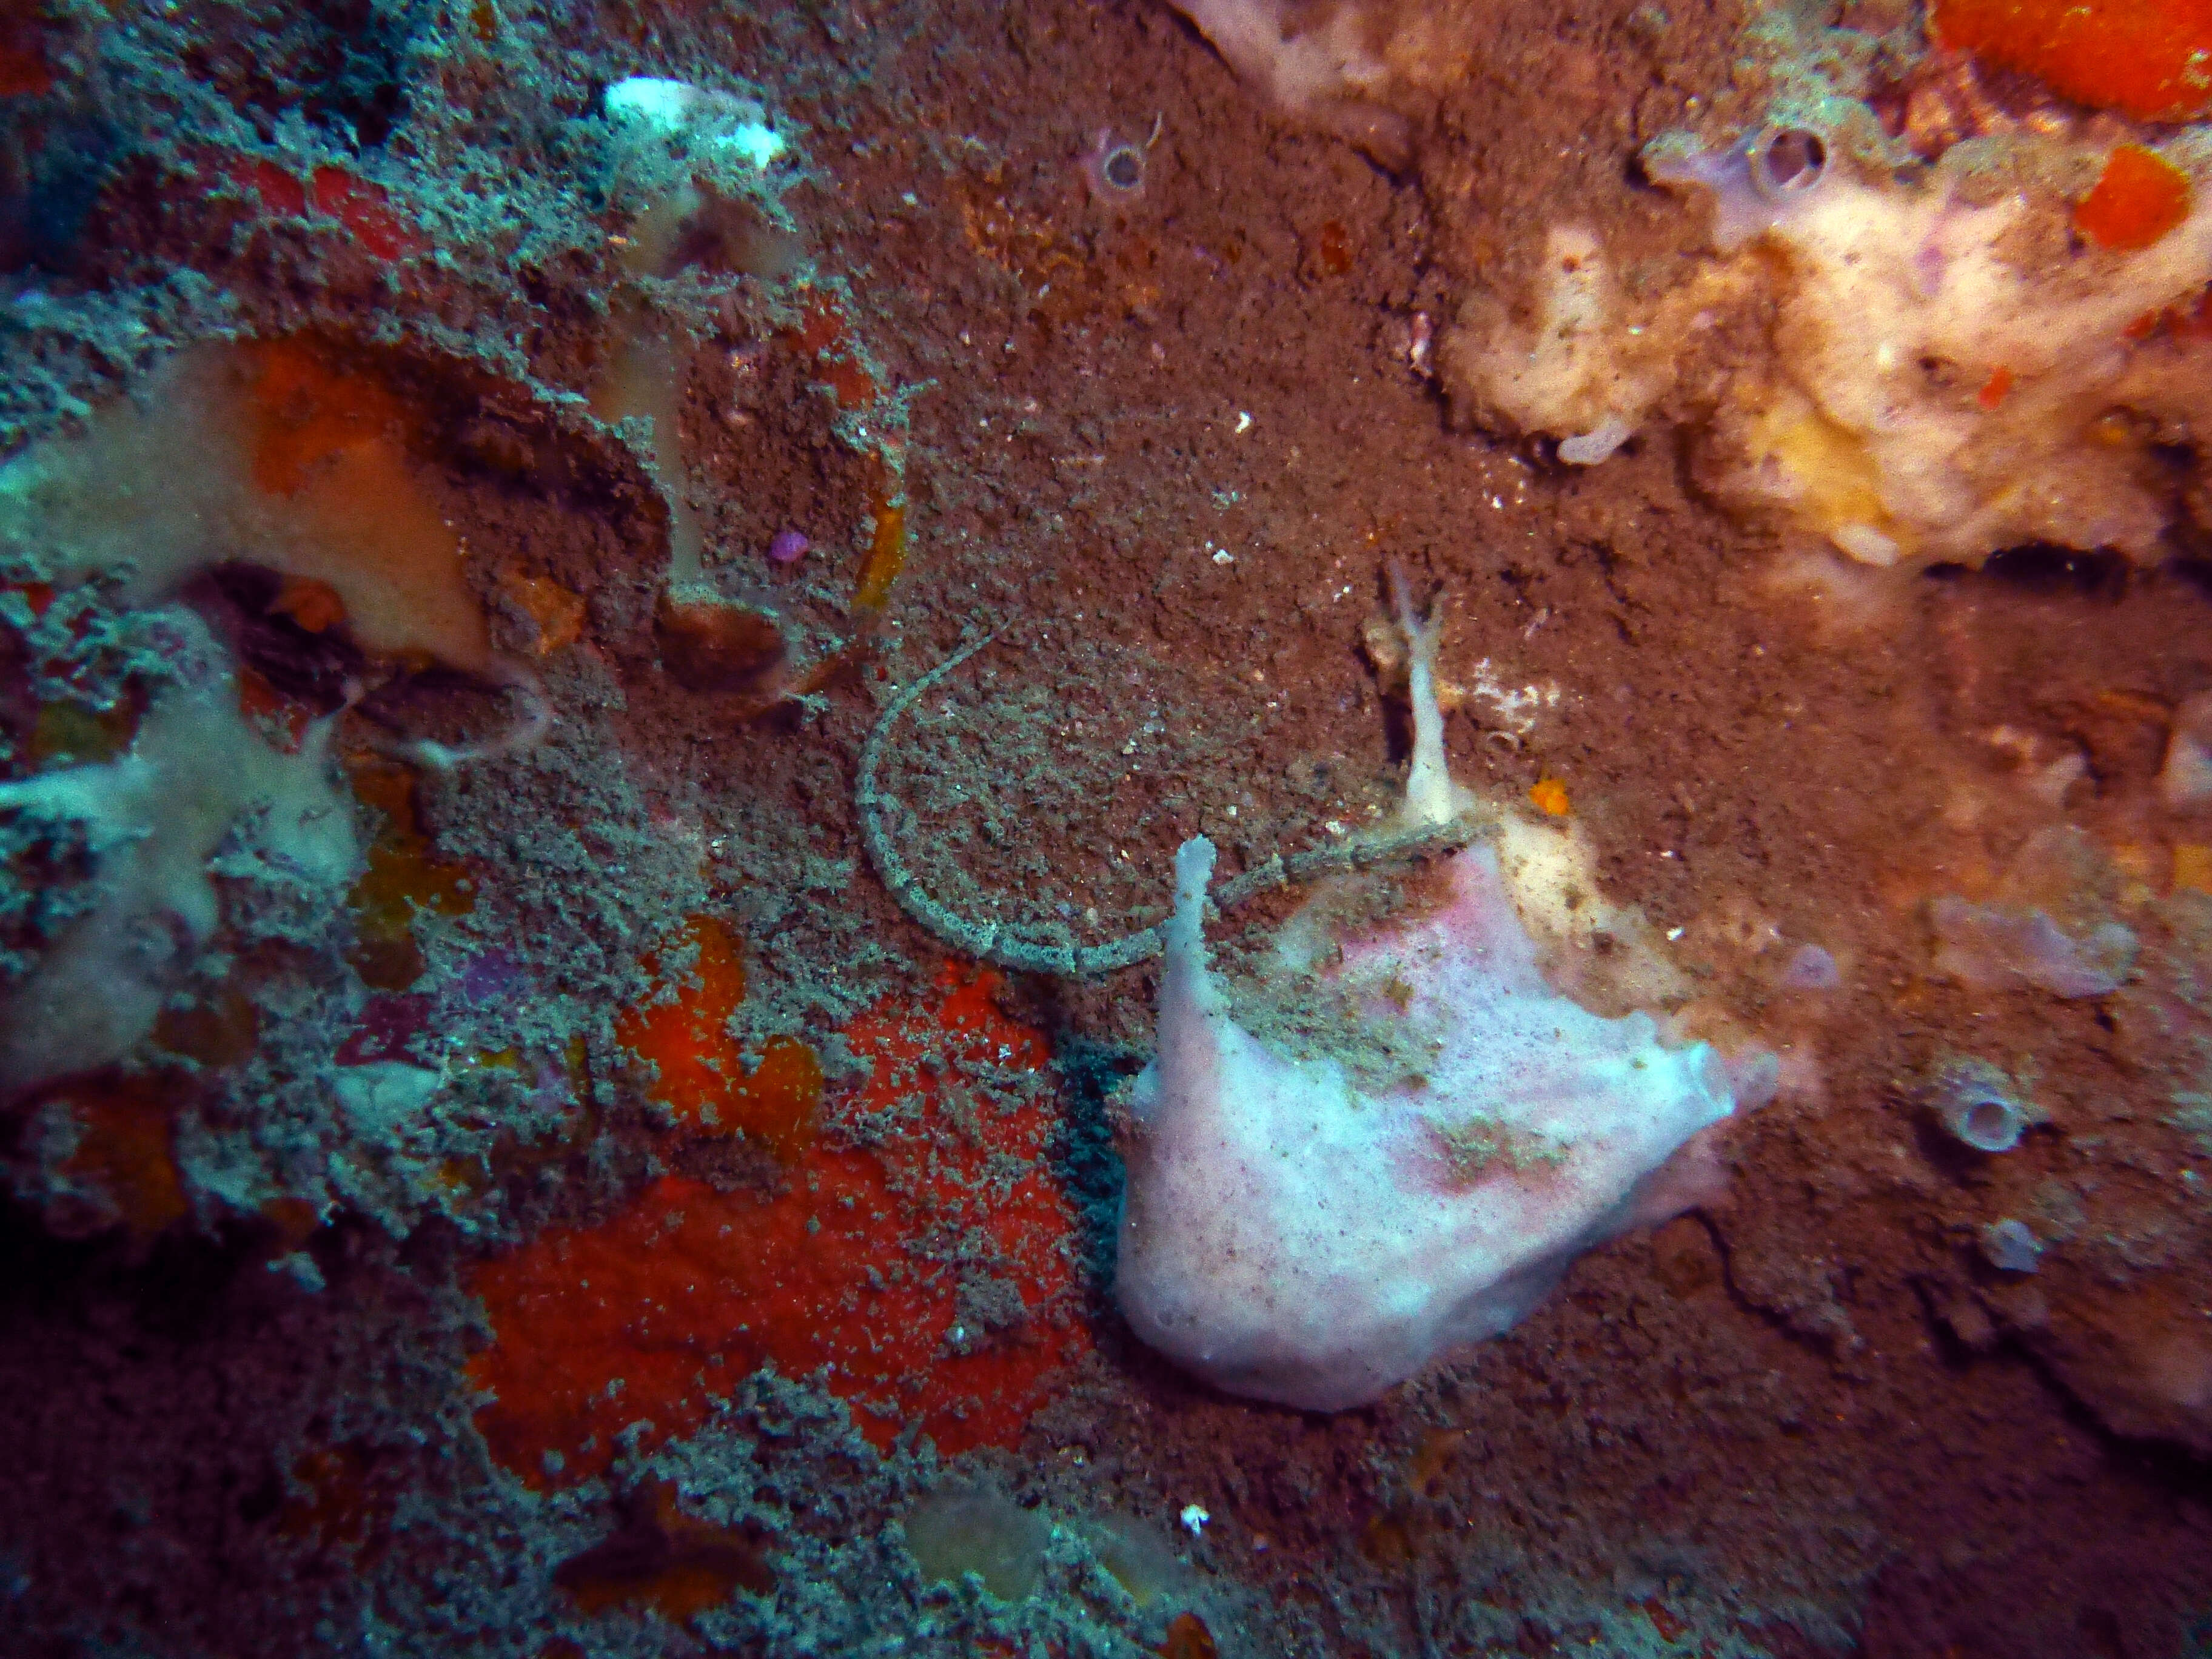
<point>1497,502</point>
<point>1335,827</point>
<point>1243,423</point>
<point>1195,1518</point>
<point>1222,556</point>
<point>1005,1053</point>
<point>1514,710</point>
<point>1674,933</point>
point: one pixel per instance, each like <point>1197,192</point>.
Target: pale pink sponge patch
<point>1351,1171</point>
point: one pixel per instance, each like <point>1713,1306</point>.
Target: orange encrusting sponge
<point>2151,59</point>
<point>702,1079</point>
<point>126,1149</point>
<point>689,1289</point>
<point>330,439</point>
<point>2137,199</point>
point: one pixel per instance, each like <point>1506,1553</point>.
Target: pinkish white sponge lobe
<point>1416,1172</point>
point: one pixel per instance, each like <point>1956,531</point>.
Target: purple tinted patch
<point>388,1024</point>
<point>1811,969</point>
<point>789,547</point>
<point>493,977</point>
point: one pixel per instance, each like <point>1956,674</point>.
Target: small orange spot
<point>853,385</point>
<point>2190,320</point>
<point>1335,248</point>
<point>2138,198</point>
<point>879,572</point>
<point>558,612</point>
<point>2144,58</point>
<point>315,605</point>
<point>1996,389</point>
<point>363,208</point>
<point>2192,866</point>
<point>1549,796</point>
<point>1189,1638</point>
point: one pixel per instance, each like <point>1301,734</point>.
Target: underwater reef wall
<point>741,910</point>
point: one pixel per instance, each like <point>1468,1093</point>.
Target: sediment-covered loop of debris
<point>995,943</point>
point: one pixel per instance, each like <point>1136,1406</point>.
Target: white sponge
<point>196,775</point>
<point>1292,1235</point>
<point>1429,1140</point>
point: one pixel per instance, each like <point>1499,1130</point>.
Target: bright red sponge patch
<point>855,1270</point>
<point>2151,59</point>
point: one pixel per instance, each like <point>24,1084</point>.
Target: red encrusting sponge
<point>850,1266</point>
